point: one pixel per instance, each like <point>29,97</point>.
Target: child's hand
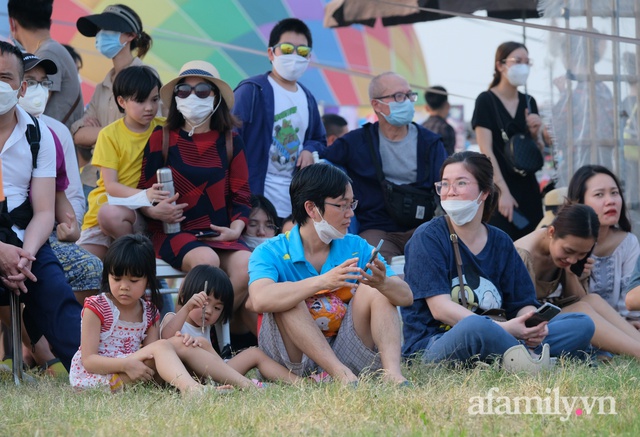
<point>68,230</point>
<point>188,340</point>
<point>198,300</point>
<point>136,370</point>
<point>155,194</point>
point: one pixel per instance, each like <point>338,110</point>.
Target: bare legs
<point>376,323</point>
<point>613,333</point>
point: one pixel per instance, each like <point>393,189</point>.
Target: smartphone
<point>207,234</point>
<point>543,314</point>
<point>374,255</point>
<point>519,220</point>
<point>578,267</point>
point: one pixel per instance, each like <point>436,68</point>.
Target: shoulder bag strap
<point>456,250</point>
<point>505,137</point>
<point>73,108</point>
<point>165,144</point>
<point>374,156</point>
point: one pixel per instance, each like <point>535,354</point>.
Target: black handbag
<point>522,152</point>
<point>409,205</point>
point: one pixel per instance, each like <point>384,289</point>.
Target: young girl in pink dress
<point>120,336</point>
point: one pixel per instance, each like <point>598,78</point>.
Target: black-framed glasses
<point>202,90</point>
<point>352,206</point>
<point>518,61</point>
<point>46,84</point>
<point>401,97</point>
<point>443,187</point>
<point>288,49</point>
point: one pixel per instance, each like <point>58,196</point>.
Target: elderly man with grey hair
<point>394,149</point>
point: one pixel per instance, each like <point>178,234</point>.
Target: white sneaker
<point>518,359</point>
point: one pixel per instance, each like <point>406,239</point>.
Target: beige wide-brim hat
<point>552,201</point>
<point>201,69</point>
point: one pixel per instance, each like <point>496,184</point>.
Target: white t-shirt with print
<point>290,123</point>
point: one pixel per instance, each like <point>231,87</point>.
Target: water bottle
<point>165,177</point>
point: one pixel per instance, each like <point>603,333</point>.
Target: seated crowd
<point>208,189</point>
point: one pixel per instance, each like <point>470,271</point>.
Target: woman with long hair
<point>503,110</point>
<point>210,178</point>
<point>552,255</point>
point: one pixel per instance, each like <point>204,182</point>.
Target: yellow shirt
<point>120,149</point>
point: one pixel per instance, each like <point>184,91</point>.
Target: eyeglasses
<point>46,84</point>
<point>460,186</point>
<point>183,90</point>
<point>352,206</point>
<point>518,61</point>
<point>401,97</point>
<point>287,49</point>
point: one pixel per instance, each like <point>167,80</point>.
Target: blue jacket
<point>254,106</point>
<point>352,152</point>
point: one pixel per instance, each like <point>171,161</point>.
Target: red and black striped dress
<point>216,191</point>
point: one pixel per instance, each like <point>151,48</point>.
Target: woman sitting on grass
<point>436,326</point>
<point>617,250</point>
<point>551,255</point>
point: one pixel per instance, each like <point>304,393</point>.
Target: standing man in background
<point>30,24</point>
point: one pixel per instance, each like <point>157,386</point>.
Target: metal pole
<point>16,335</point>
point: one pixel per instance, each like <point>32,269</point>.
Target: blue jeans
<point>478,337</point>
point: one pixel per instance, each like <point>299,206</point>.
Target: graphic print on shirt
<point>285,146</point>
<point>485,295</point>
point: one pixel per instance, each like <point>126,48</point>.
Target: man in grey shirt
<point>30,21</point>
<point>407,153</point>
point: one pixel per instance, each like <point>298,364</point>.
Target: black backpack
<point>33,138</point>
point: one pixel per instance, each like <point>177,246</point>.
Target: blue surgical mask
<point>400,114</point>
<point>108,43</point>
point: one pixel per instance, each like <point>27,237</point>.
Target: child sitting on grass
<point>120,336</point>
<point>206,297</point>
<point>118,154</point>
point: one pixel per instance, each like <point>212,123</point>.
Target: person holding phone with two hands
<point>325,307</point>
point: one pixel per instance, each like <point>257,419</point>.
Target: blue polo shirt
<point>281,258</point>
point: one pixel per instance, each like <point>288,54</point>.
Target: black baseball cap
<point>114,18</point>
<point>31,61</point>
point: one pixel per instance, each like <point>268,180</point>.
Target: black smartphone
<point>375,252</point>
<point>543,314</point>
<point>519,220</point>
<point>207,234</point>
<point>578,267</point>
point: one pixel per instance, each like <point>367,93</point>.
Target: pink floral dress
<point>118,339</point>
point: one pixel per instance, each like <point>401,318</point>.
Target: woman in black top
<point>520,196</point>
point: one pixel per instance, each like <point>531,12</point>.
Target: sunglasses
<point>288,49</point>
<point>202,90</point>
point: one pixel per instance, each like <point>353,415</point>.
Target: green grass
<point>438,404</point>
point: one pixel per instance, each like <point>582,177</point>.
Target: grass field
<point>571,400</point>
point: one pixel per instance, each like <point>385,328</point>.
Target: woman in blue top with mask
<point>118,32</point>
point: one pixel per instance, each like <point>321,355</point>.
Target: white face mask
<point>325,231</point>
<point>253,242</point>
<point>34,100</point>
<point>8,97</point>
<point>290,67</point>
<point>461,212</point>
<point>518,74</point>
<point>196,111</point>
